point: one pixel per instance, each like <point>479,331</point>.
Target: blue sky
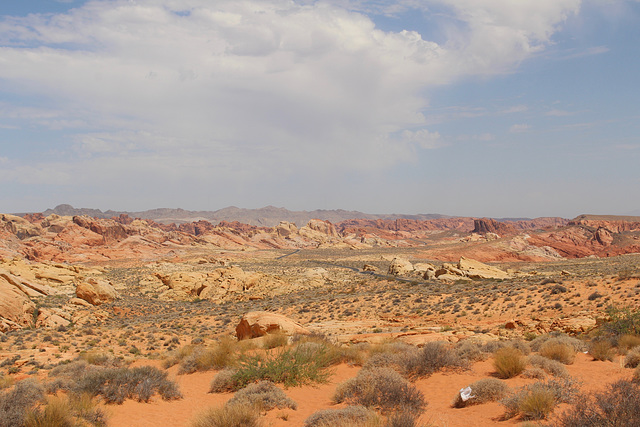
<point>463,107</point>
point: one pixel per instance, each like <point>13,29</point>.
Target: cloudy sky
<point>503,108</point>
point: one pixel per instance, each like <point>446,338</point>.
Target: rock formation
<point>258,323</point>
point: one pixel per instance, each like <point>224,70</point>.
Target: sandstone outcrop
<point>258,323</point>
<point>16,309</point>
<point>400,267</point>
<point>469,269</point>
<point>96,292</point>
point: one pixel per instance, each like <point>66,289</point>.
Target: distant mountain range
<point>268,216</point>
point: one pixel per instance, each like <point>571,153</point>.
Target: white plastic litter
<point>465,394</point>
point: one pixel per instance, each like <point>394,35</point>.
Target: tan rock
<point>258,323</point>
<point>96,292</point>
<point>16,309</point>
<point>369,267</point>
<point>400,267</point>
<point>477,270</point>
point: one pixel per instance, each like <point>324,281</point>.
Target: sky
<point>499,108</point>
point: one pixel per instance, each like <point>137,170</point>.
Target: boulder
<point>19,226</point>
<point>369,267</point>
<point>286,229</point>
<point>16,309</point>
<point>400,267</point>
<point>477,270</point>
<point>96,292</point>
<point>258,323</point>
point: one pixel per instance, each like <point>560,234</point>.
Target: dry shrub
<point>493,346</point>
<point>557,350</point>
<point>537,400</point>
<point>264,395</point>
<point>509,362</point>
<point>632,359</point>
<point>15,402</point>
<point>229,416</point>
<point>353,416</point>
<point>484,390</point>
<point>431,358</point>
<point>471,351</point>
<point>115,385</point>
<point>618,405</point>
<point>66,411</point>
<point>5,382</point>
<point>552,367</point>
<point>382,388</point>
<point>534,373</point>
<point>602,350</point>
<point>537,404</point>
<point>403,418</point>
<point>627,342</point>
<point>223,381</point>
<point>560,337</point>
<point>275,339</point>
<point>193,358</point>
<point>100,359</point>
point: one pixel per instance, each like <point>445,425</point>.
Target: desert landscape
<point>132,322</point>
<point>319,213</point>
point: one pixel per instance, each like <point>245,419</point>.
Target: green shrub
<point>482,391</point>
<point>229,416</point>
<point>264,395</point>
<point>618,405</point>
<point>117,384</point>
<point>632,359</point>
<point>383,388</point>
<point>354,416</point>
<point>509,362</point>
<point>291,367</point>
<point>622,321</point>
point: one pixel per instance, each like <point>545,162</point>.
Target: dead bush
<point>229,416</point>
<point>115,385</point>
<point>558,350</point>
<point>538,400</point>
<point>354,416</point>
<point>509,362</point>
<point>383,388</point>
<point>632,359</point>
<point>482,391</point>
<point>601,350</point>
<point>431,358</point>
<point>15,402</point>
<point>627,342</point>
<point>264,395</point>
<point>618,405</point>
<point>552,367</point>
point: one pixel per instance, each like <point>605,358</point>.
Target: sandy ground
<point>439,390</point>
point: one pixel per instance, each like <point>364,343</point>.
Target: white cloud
<point>517,128</point>
<point>266,87</point>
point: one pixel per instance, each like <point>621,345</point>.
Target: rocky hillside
<point>268,216</point>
